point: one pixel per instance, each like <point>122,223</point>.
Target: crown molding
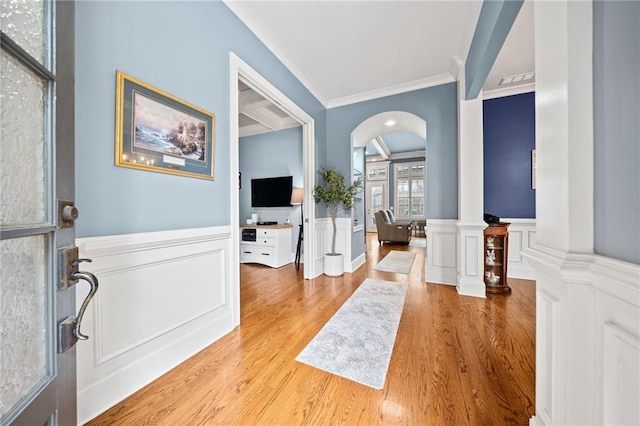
<point>253,23</point>
<point>410,86</point>
<point>509,91</point>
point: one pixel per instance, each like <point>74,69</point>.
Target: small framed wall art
<point>158,132</point>
<point>534,169</point>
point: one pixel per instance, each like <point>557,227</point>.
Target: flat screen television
<point>271,192</point>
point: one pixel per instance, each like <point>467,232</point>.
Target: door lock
<point>67,214</point>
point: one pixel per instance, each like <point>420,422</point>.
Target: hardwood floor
<point>457,360</point>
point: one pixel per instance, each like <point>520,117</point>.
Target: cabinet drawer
<point>256,254</point>
<point>265,233</point>
<point>266,242</point>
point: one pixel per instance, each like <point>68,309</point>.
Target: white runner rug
<point>356,343</point>
<point>418,242</point>
<point>396,261</point>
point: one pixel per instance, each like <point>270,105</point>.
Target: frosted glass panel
<point>22,190</point>
<point>23,340</point>
<point>23,21</point>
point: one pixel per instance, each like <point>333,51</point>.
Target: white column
<point>566,350</point>
<point>564,125</point>
<point>470,244</point>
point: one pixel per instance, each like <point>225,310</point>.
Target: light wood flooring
<point>457,360</point>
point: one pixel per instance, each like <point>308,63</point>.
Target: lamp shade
<point>297,195</point>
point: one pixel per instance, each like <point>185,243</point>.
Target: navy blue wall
<point>509,137</point>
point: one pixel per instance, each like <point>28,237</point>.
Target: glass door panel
<point>24,342</point>
<point>24,21</point>
<point>22,146</point>
<point>377,199</point>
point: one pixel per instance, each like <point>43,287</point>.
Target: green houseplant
<point>334,192</point>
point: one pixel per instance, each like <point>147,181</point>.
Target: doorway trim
<point>375,125</point>
<point>241,70</point>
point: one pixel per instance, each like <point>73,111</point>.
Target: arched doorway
<point>383,130</point>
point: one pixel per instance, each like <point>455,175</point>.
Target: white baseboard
<point>533,421</point>
<point>358,262</point>
<point>104,392</point>
<point>163,297</point>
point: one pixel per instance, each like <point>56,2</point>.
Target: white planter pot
<point>333,265</point>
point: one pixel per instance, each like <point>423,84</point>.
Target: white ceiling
<point>257,115</point>
<point>350,51</point>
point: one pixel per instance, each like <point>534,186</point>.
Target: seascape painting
<point>159,132</point>
<point>161,128</point>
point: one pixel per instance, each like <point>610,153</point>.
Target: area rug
<point>356,343</point>
<point>418,242</point>
<point>396,261</point>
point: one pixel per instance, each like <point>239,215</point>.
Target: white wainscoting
<point>522,234</point>
<point>163,297</point>
<point>442,251</point>
<point>441,263</point>
<point>588,339</point>
<point>323,237</point>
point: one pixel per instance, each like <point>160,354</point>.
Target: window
<point>378,171</point>
<point>410,190</point>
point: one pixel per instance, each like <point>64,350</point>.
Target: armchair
<point>391,232</point>
<point>392,218</point>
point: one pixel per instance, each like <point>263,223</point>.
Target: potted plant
<point>334,192</point>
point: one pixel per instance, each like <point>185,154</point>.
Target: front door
<point>37,317</point>
<point>377,199</point>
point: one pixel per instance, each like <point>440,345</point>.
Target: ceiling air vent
<point>516,78</point>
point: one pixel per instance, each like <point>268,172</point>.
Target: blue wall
<point>269,155</point>
<point>509,136</point>
<point>438,107</point>
<point>188,58</point>
<point>616,58</point>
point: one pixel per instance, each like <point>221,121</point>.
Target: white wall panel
<point>441,265</point>
<point>546,352</point>
<point>620,371</point>
<point>471,244</point>
<point>163,297</point>
<point>138,300</point>
<point>521,236</point>
<point>587,344</point>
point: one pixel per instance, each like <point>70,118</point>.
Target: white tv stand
<point>272,246</point>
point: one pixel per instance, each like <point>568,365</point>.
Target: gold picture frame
<point>158,132</point>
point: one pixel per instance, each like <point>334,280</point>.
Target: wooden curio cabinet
<point>496,247</point>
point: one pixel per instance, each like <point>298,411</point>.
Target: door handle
<point>69,329</point>
<point>93,281</point>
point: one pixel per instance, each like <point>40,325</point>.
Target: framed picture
<point>533,169</point>
<point>157,132</point>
